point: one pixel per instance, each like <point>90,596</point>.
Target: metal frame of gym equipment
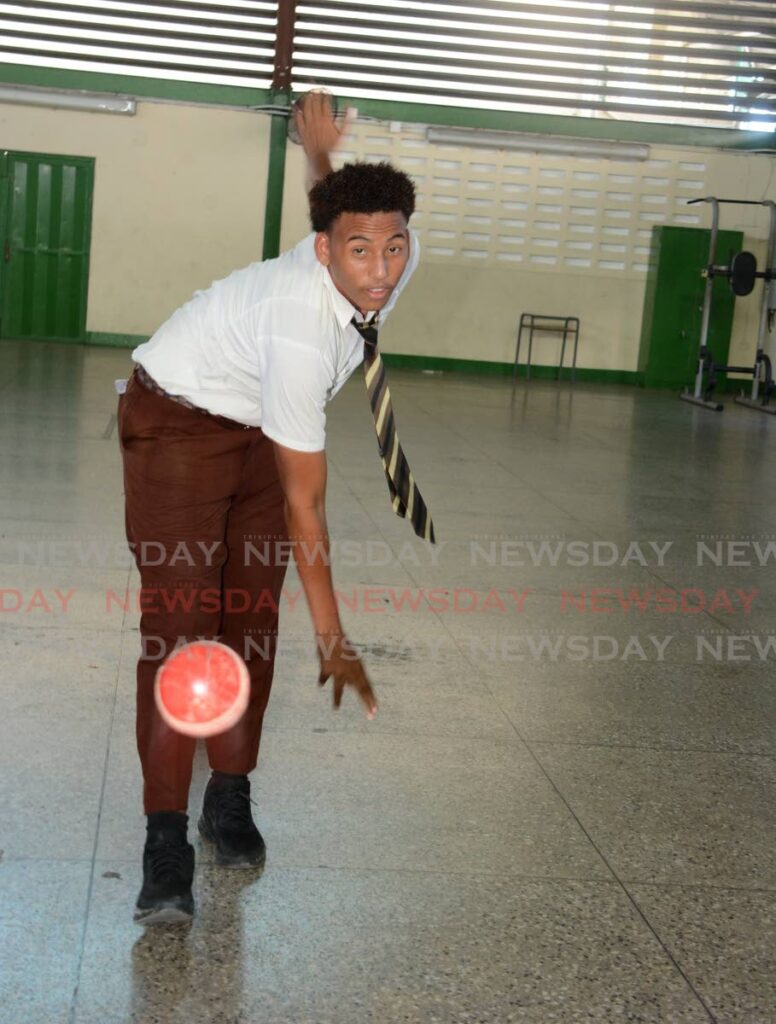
<point>742,273</point>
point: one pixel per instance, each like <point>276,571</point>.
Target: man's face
<point>366,254</point>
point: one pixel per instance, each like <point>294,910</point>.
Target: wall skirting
<point>431,363</point>
<point>437,364</point>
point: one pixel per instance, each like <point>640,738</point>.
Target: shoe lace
<point>167,860</point>
<point>234,809</point>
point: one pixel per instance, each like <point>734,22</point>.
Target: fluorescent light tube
<point>562,146</point>
<point>103,104</point>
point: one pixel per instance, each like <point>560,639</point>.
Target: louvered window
<point>691,61</point>
<point>680,61</point>
<point>225,43</point>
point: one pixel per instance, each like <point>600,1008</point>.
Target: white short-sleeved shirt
<point>267,346</point>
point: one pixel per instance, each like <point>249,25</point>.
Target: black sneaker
<point>227,821</point>
<point>168,871</point>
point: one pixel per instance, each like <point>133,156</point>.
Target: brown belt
<point>148,382</point>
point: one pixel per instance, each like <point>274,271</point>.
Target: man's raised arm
<point>319,133</point>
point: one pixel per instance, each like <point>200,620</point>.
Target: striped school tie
<point>405,496</point>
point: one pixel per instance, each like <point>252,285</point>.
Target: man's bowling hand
<point>339,658</point>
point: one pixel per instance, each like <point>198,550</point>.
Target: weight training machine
<point>742,273</point>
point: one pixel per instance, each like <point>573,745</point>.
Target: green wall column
<point>275,176</point>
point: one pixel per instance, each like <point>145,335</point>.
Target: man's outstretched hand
<point>339,658</point>
<point>319,132</point>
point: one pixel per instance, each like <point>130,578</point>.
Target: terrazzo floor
<point>564,810</point>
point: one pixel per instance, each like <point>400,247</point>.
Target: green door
<point>45,230</point>
<point>671,324</point>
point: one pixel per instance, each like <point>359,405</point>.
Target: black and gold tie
<point>405,496</point>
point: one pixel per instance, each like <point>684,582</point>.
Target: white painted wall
<point>178,200</point>
<point>506,233</point>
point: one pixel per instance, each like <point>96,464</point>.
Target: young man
<point>222,436</point>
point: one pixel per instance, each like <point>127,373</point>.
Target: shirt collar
<point>344,310</point>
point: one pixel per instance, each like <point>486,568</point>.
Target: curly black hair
<point>360,188</point>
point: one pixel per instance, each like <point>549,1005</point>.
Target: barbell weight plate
<point>743,271</point>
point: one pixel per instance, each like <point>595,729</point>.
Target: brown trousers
<point>204,513</point>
